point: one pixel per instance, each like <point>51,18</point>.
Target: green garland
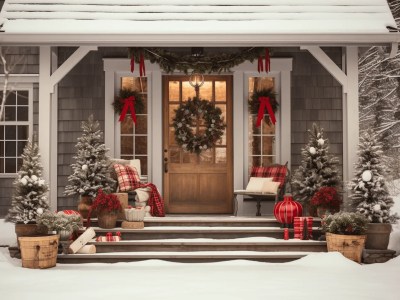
<point>183,122</point>
<point>118,103</point>
<point>254,103</point>
<point>213,63</point>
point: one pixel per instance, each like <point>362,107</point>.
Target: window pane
<point>19,163</point>
<point>143,164</point>
<point>223,110</point>
<point>1,132</point>
<point>11,149</point>
<point>252,125</point>
<point>2,165</point>
<point>126,145</point>
<point>220,155</point>
<point>187,91</point>
<point>11,132</point>
<point>172,140</point>
<point>141,145</point>
<point>255,145</point>
<point>134,83</point>
<point>206,157</point>
<point>10,113</point>
<point>255,161</point>
<point>23,132</point>
<point>11,99</point>
<point>206,90</point>
<point>22,114</point>
<point>23,97</point>
<point>141,125</point>
<point>145,104</point>
<point>268,128</point>
<point>127,125</point>
<point>268,146</point>
<point>173,91</point>
<point>10,165</point>
<point>20,147</point>
<point>2,148</point>
<point>172,108</point>
<point>268,160</point>
<point>220,91</point>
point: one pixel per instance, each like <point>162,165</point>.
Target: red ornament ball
<point>286,210</point>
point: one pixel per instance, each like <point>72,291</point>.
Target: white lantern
<point>366,175</point>
<point>312,150</point>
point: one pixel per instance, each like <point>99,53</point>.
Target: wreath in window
<point>264,100</point>
<point>185,116</point>
<point>126,101</point>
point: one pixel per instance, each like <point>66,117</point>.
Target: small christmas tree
<point>91,169</point>
<point>370,194</point>
<point>30,193</point>
<point>317,168</point>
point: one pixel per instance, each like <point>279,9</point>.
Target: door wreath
<point>128,101</point>
<point>185,116</point>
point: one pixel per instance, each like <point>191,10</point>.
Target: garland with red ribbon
<point>142,67</point>
<point>127,102</point>
<point>261,101</point>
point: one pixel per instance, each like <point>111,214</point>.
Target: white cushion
<point>256,184</point>
<point>270,187</point>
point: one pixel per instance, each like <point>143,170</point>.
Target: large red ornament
<point>286,210</point>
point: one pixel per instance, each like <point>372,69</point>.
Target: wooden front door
<point>198,184</point>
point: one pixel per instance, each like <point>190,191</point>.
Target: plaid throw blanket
<point>155,202</point>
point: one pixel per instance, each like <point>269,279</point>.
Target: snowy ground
<point>317,276</point>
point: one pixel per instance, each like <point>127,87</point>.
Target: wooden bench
<point>279,173</point>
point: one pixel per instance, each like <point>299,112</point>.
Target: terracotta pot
<point>107,219</point>
<point>378,235</point>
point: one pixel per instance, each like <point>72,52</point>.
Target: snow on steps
<point>187,257</point>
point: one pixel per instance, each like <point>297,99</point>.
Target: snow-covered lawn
<point>317,276</point>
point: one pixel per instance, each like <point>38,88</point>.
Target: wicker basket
<point>39,252</point>
<point>351,246</point>
<point>107,220</point>
<point>134,214</point>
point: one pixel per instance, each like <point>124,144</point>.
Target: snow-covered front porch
<point>265,24</point>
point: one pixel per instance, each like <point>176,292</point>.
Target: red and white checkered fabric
<point>70,212</point>
<point>128,177</point>
<point>299,225</point>
<point>278,173</point>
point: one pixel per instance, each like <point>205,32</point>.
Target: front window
<point>15,128</point>
<point>134,138</point>
<point>262,140</point>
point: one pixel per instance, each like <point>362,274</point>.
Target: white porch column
<point>49,76</point>
<point>351,117</point>
<point>45,90</point>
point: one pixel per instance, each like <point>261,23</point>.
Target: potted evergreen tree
<point>91,169</point>
<point>370,195</point>
<point>30,194</point>
<point>317,169</point>
<point>345,233</point>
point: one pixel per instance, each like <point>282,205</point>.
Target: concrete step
<point>193,245</point>
<point>212,221</point>
<point>193,232</point>
<point>187,257</point>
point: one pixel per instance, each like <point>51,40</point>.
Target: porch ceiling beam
<point>67,66</point>
<point>329,64</point>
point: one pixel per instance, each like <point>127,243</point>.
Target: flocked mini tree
<point>370,195</point>
<point>91,169</point>
<point>30,189</point>
<point>317,169</point>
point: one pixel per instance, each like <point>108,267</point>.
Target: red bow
<point>267,62</point>
<point>129,103</point>
<point>109,237</point>
<point>265,102</point>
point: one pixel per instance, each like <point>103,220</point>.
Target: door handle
<point>165,165</point>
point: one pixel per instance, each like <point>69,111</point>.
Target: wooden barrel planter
<point>351,246</point>
<point>39,252</point>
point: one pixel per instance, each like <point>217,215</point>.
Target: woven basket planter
<point>351,246</point>
<point>107,220</point>
<point>134,215</point>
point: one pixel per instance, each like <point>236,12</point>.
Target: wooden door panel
<point>198,183</point>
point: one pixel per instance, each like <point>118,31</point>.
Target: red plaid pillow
<point>278,173</point>
<point>128,177</point>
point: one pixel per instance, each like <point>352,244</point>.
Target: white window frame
<point>23,82</point>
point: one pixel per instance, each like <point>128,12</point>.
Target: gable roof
<point>275,21</point>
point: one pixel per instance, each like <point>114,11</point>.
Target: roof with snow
<point>230,21</point>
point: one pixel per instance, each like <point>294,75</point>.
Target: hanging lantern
<point>286,210</point>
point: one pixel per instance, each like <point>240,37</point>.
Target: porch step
<point>194,245</point>
<point>187,257</point>
<point>193,232</point>
<point>220,221</point>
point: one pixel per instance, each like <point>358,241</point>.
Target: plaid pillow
<point>278,173</point>
<point>128,177</point>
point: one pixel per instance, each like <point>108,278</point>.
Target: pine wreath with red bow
<point>264,101</point>
<point>126,100</point>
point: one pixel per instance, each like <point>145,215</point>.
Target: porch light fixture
<point>196,80</point>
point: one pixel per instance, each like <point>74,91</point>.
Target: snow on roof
<point>206,17</point>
